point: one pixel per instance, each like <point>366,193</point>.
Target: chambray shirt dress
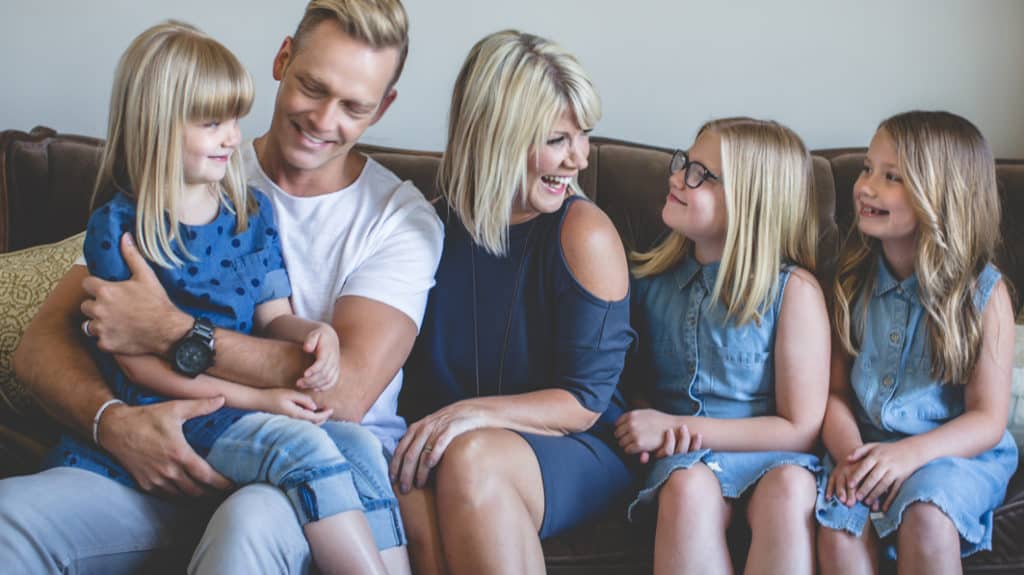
<point>694,360</point>
<point>897,397</point>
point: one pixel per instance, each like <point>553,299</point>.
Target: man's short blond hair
<point>379,23</point>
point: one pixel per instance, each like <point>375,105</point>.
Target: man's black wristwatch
<point>193,354</point>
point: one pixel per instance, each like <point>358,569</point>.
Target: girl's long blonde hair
<point>771,216</point>
<point>170,75</point>
<point>511,90</point>
<point>950,177</point>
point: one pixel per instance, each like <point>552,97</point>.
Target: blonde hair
<point>771,215</point>
<point>378,23</point>
<point>170,75</point>
<point>948,171</point>
<point>511,91</point>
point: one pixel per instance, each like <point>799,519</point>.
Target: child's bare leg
<point>781,517</point>
<point>692,519</point>
<point>343,543</point>
<point>927,542</point>
<point>396,560</point>
<point>842,553</point>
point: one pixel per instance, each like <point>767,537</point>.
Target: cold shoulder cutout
<point>593,252</point>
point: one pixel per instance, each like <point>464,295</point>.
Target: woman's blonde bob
<point>511,90</point>
<point>171,74</point>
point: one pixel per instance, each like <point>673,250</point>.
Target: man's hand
<point>134,316</point>
<point>148,441</point>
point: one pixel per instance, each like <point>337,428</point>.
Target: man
<point>361,248</point>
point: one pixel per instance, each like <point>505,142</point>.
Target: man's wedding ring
<point>85,328</point>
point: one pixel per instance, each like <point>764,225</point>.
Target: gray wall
<point>831,70</point>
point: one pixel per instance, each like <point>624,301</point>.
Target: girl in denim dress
<point>171,165</point>
<point>916,423</point>
<point>732,364</point>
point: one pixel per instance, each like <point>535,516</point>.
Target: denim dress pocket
<point>740,382</point>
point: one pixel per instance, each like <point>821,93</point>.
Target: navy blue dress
<point>232,274</point>
<point>521,323</point>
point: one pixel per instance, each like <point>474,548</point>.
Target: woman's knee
<point>480,465</point>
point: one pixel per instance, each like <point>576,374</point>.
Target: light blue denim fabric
<point>896,397</point>
<point>694,360</point>
<point>323,471</point>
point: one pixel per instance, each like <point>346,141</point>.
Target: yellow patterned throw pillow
<point>26,278</point>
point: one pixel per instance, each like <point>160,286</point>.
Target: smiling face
<point>551,168</point>
<point>882,200</point>
<point>332,89</point>
<point>207,148</point>
<point>700,213</point>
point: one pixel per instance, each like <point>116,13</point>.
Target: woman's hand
<point>676,440</point>
<point>880,469</point>
<point>643,431</point>
<point>322,342</point>
<point>291,403</point>
<point>423,445</point>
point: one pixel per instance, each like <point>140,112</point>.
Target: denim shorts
<point>323,470</point>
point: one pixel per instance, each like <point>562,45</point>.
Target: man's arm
<point>53,363</point>
<point>135,317</point>
<point>374,340</point>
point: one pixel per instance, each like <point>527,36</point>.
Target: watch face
<point>193,356</point>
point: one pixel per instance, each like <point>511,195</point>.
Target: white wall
<point>831,70</point>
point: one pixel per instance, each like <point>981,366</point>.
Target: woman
<point>512,384</point>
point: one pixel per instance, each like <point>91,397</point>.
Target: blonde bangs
<point>219,87</point>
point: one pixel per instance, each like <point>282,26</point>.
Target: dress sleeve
<point>102,247</point>
<point>592,339</point>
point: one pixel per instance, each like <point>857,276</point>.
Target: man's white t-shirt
<point>378,238</point>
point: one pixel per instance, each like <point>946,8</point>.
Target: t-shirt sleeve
<point>275,283</point>
<point>102,247</point>
<point>400,272</point>
<point>593,337</point>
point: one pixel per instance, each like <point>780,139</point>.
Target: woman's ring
<point>85,328</point>
<point>428,448</point>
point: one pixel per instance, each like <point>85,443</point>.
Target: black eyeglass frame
<point>681,162</point>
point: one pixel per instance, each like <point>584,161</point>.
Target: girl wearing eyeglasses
<point>733,361</point>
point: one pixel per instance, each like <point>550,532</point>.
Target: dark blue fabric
<point>558,336</point>
<point>232,274</point>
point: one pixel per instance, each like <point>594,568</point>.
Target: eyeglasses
<point>695,174</point>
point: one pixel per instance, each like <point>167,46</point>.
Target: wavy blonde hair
<point>171,74</point>
<point>771,216</point>
<point>950,177</point>
<point>378,23</point>
<point>511,91</point>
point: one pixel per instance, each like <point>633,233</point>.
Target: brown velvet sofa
<point>46,179</point>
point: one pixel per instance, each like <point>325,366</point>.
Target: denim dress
<point>896,398</point>
<point>694,360</point>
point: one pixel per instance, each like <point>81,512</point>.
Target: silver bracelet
<point>96,419</point>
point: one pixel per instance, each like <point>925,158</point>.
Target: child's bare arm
<point>275,319</point>
<point>156,375</point>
